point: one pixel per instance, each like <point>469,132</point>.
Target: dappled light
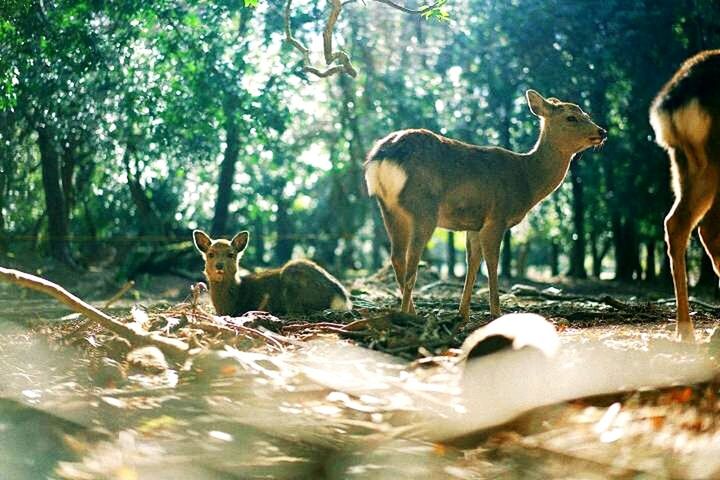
<point>339,239</point>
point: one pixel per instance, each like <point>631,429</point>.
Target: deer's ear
<point>537,103</point>
<point>202,240</point>
<point>240,241</point>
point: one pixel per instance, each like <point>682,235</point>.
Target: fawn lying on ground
<point>423,180</point>
<point>299,286</point>
<point>686,118</point>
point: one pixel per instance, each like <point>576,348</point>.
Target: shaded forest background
<point>126,124</point>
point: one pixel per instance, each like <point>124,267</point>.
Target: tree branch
<point>338,61</point>
<point>403,9</point>
<point>175,349</point>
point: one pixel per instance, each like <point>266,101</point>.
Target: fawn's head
<point>566,123</point>
<point>221,256</point>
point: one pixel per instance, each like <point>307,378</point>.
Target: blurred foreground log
<point>175,349</point>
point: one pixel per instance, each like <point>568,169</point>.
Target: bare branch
<point>337,62</point>
<point>173,348</point>
<point>403,9</point>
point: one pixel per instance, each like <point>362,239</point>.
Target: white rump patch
<point>340,304</point>
<point>689,124</point>
<point>660,122</point>
<point>386,180</point>
<point>692,122</point>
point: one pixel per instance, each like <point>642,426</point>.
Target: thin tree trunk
<point>285,241</point>
<point>650,274</point>
<point>258,239</point>
<point>665,271</point>
<point>5,165</point>
<point>149,220</point>
<point>58,222</point>
<point>67,171</point>
<point>451,254</point>
<point>577,254</point>
<point>554,258</point>
<point>380,239</point>
<point>506,259</point>
<point>228,165</point>
<point>707,280</point>
<point>521,260</point>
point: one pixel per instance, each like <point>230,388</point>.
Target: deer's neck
<point>225,295</point>
<point>547,164</point>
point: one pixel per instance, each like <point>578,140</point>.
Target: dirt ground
<point>76,403</point>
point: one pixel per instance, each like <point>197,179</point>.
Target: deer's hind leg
<point>397,224</point>
<point>694,194</point>
<point>421,229</point>
<point>473,258</point>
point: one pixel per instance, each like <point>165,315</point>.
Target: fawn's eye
<point>230,254</point>
<point>572,118</point>
<point>211,255</point>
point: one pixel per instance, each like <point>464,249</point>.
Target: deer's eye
<point>211,255</point>
<point>571,118</point>
<point>230,254</point>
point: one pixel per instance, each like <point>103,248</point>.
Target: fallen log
<point>175,349</point>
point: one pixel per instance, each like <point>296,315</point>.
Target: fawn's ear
<point>202,240</point>
<point>538,104</point>
<point>240,241</point>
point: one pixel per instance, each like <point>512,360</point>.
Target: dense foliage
<point>125,124</point>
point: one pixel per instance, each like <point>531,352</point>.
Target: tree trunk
<point>149,221</point>
<point>5,165</point>
<point>707,281</point>
<point>627,255</point>
<point>665,270</point>
<point>650,275</point>
<point>521,260</point>
<point>380,239</point>
<point>554,258</point>
<point>285,241</point>
<point>258,240</point>
<point>57,214</point>
<point>451,254</point>
<point>227,167</point>
<point>596,267</point>
<point>577,254</point>
<point>506,259</point>
<point>67,171</point>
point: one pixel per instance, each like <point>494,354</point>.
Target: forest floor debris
<point>252,404</point>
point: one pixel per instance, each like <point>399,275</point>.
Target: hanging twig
<point>175,349</point>
<point>339,61</point>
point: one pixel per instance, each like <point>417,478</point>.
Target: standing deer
<point>423,180</point>
<point>686,118</point>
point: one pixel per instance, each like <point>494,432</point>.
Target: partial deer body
<point>423,180</point>
<point>686,118</point>
<point>299,286</point>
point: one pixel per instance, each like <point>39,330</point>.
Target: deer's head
<point>221,256</point>
<point>565,123</point>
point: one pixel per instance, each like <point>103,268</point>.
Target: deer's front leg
<point>490,239</point>
<point>473,258</point>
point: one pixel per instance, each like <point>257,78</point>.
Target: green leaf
<point>436,11</point>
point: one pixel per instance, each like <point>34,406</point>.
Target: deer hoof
<point>685,333</point>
